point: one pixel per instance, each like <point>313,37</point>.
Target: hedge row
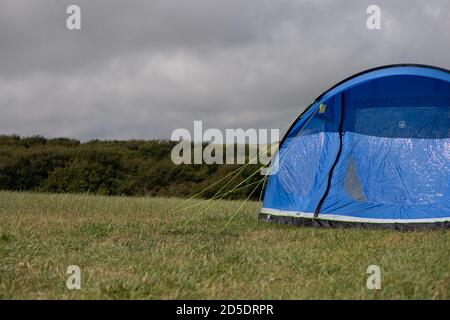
<point>132,168</point>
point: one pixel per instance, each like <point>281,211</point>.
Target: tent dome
<point>372,151</point>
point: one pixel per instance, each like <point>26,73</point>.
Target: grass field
<point>131,248</point>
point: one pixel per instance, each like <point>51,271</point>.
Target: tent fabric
<point>374,149</point>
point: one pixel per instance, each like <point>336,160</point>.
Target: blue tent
<point>372,151</point>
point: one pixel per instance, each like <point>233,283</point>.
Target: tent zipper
<point>338,155</point>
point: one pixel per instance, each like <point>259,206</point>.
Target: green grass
<point>130,248</point>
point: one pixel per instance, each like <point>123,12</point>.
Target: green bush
<point>134,167</point>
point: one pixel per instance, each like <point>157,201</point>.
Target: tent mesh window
<point>352,186</point>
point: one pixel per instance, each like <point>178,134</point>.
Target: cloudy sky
<point>142,68</point>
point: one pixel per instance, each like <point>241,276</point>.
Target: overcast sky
<point>142,68</point>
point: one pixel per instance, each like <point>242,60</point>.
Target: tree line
<point>131,168</point>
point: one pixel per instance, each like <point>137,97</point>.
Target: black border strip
<point>309,222</point>
<point>281,309</point>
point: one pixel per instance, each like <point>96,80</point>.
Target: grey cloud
<point>140,69</point>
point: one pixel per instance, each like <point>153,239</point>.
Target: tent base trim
<point>306,219</point>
